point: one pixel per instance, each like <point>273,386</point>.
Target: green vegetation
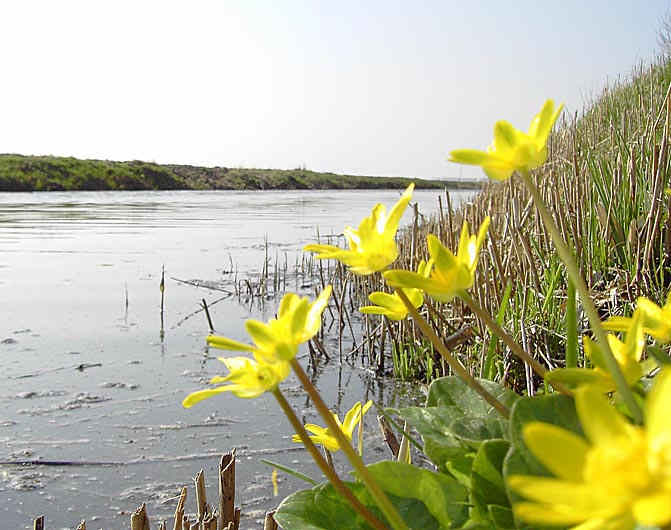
<point>549,435</point>
<point>604,182</point>
<point>48,173</point>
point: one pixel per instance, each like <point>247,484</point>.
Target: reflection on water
<point>89,378</point>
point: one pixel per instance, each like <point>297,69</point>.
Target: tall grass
<point>605,183</point>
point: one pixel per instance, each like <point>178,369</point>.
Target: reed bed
<point>605,183</point>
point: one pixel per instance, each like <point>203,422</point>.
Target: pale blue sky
<point>376,88</point>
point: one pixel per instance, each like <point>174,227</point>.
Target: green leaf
<point>460,466</point>
<point>321,508</point>
<point>457,418</point>
<point>303,511</point>
<point>501,516</point>
<point>433,423</point>
<point>452,391</point>
<point>477,525</point>
<point>487,475</point>
<point>443,496</point>
<point>556,409</point>
<point>474,431</point>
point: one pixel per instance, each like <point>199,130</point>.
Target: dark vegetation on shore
<point>49,173</point>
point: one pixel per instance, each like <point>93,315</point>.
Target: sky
<point>368,88</point>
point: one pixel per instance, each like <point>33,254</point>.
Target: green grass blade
<point>488,370</point>
<point>571,328</point>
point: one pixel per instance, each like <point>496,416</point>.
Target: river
<point>91,375</point>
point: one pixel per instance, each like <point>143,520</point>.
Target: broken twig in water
<point>207,314</point>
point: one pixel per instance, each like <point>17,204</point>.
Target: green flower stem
<point>571,328</point>
<point>456,366</point>
<point>507,339</point>
<point>383,502</point>
<point>595,321</point>
<point>323,465</point>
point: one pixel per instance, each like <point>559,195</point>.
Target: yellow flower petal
<point>448,274</point>
<point>657,405</point>
<point>195,397</point>
<point>385,299</point>
<point>656,320</point>
<point>499,173</point>
<point>542,123</point>
<point>288,304</point>
<point>471,157</point>
<point>387,304</point>
<point>396,212</point>
<point>261,334</point>
<point>247,379</point>
<point>313,319</point>
<point>560,451</point>
<point>653,510</point>
<point>545,490</point>
<point>322,435</point>
<point>624,522</point>
<point>575,377</point>
<point>298,321</point>
<point>617,324</point>
<point>372,246</point>
<point>546,514</point>
<point>224,343</point>
<point>601,423</point>
<point>512,150</point>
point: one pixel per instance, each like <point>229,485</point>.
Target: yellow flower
<point>322,435</point>
<point>450,273</point>
<point>513,150</point>
<point>656,320</point>
<point>372,247</point>
<point>247,378</point>
<point>627,354</point>
<point>297,321</point>
<point>618,477</point>
<point>391,305</point>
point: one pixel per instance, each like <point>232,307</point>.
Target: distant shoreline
<point>50,173</point>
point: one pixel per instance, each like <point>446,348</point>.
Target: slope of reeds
<point>606,182</point>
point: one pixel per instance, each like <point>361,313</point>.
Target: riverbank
<point>604,182</point>
<point>49,173</point>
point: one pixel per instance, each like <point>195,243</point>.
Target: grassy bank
<point>48,173</point>
<point>605,183</point>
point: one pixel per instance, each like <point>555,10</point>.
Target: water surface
<point>88,377</point>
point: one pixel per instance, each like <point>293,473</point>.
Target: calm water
<point>87,376</point>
